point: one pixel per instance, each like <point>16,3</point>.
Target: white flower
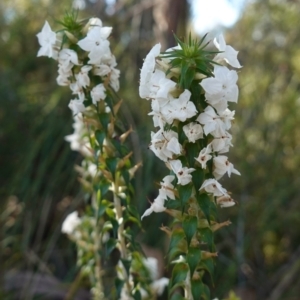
<point>67,58</point>
<point>114,79</point>
<point>222,166</point>
<point>47,40</point>
<point>156,206</point>
<point>225,201</point>
<point>222,87</point>
<point>70,223</point>
<point>212,186</point>
<point>221,143</point>
<point>76,106</point>
<point>147,71</point>
<point>63,76</point>
<point>167,188</point>
<point>96,43</point>
<point>183,173</point>
<point>204,156</point>
<point>76,88</point>
<point>211,121</point>
<point>228,53</point>
<point>165,144</point>
<point>179,108</point>
<point>82,77</point>
<point>98,93</point>
<point>193,131</point>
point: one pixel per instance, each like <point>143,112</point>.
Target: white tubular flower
<point>76,88</point>
<point>70,223</point>
<point>76,106</point>
<point>222,143</point>
<point>47,40</point>
<point>165,144</point>
<point>67,58</point>
<point>63,76</point>
<point>225,201</point>
<point>157,206</point>
<point>222,87</point>
<point>228,53</point>
<point>167,188</point>
<point>212,186</point>
<point>227,116</point>
<point>147,71</point>
<point>204,156</point>
<point>82,77</point>
<point>183,173</point>
<point>98,93</point>
<point>180,109</point>
<point>211,121</point>
<point>78,139</point>
<point>96,43</point>
<point>222,166</point>
<point>114,79</point>
<point>193,131</point>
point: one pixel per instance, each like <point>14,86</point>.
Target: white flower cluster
<point>73,72</point>
<point>171,106</point>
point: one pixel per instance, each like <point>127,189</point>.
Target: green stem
<point>98,291</point>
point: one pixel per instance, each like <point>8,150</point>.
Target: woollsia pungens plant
<point>87,65</point>
<point>189,88</point>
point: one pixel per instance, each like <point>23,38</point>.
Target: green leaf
<point>103,186</point>
<point>184,69</point>
<point>192,151</point>
<point>109,101</point>
<point>104,119</point>
<point>200,290</point>
<point>126,263</point>
<point>126,176</point>
<point>185,192</point>
<point>207,237</point>
<point>111,164</point>
<point>197,178</point>
<point>100,137</point>
<point>189,226</point>
<point>173,204</point>
<point>137,295</point>
<point>110,245</point>
<point>179,273</point>
<point>208,265</point>
<point>189,77</point>
<point>119,285</point>
<point>177,243</point>
<point>177,296</point>
<point>204,203</point>
<point>193,258</point>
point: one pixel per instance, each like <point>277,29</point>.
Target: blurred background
<point>259,254</point>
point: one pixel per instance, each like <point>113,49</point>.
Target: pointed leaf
<point>111,164</point>
<point>193,258</point>
<point>200,290</point>
<point>104,119</point>
<point>119,285</point>
<point>127,264</point>
<point>208,265</point>
<point>189,226</point>
<point>185,192</point>
<point>207,237</point>
<point>204,203</point>
<point>100,137</point>
<point>197,178</point>
<point>179,273</point>
<point>177,243</point>
<point>110,245</point>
